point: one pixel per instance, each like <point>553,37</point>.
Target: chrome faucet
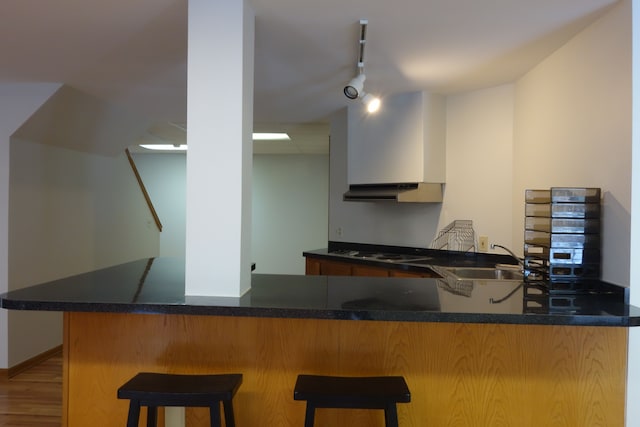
<point>513,255</point>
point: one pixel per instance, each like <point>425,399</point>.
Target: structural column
<point>219,156</point>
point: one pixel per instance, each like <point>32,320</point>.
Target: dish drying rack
<point>457,236</point>
<point>456,287</point>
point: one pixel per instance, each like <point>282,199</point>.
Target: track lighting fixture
<point>354,89</point>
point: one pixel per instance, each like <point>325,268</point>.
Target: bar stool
<point>352,392</point>
<point>156,389</point>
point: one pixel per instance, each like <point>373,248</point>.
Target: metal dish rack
<point>457,236</point>
<point>456,287</point>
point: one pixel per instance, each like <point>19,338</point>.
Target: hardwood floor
<point>34,397</point>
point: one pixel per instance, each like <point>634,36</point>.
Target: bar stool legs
<point>310,415</point>
<point>321,391</point>
<point>229,418</point>
<point>391,415</point>
<point>155,389</point>
<point>134,414</point>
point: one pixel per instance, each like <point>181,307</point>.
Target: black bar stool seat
<point>156,389</point>
<point>322,391</point>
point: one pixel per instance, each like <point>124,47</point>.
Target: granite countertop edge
<point>120,289</point>
<point>559,319</point>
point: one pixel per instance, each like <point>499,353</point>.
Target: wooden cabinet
<point>324,267</point>
<point>405,273</point>
<point>312,267</point>
<point>365,270</point>
<point>335,268</point>
<point>459,374</point>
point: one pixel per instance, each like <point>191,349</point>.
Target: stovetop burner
<point>379,256</point>
<point>366,255</point>
<point>392,257</point>
<point>342,252</point>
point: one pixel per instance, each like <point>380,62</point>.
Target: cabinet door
<point>404,273</point>
<point>312,266</point>
<point>335,268</point>
<point>325,267</point>
<point>363,270</point>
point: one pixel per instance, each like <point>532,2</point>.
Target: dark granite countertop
<point>157,286</point>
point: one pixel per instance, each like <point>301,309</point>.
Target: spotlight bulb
<point>372,102</point>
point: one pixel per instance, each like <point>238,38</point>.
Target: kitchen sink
<point>481,273</point>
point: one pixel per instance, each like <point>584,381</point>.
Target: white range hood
<point>406,192</point>
<point>400,149</point>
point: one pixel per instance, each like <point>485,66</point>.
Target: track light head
<point>353,89</point>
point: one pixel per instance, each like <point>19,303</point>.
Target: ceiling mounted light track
<point>355,88</point>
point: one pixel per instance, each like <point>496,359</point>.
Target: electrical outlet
<point>483,244</point>
<point>339,231</point>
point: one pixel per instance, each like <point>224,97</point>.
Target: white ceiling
<point>133,53</point>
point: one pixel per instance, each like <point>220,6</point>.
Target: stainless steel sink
<point>481,273</point>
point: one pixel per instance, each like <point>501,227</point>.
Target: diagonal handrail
<point>144,190</point>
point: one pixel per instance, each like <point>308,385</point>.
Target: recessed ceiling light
<point>165,147</point>
<point>183,147</point>
<point>258,136</point>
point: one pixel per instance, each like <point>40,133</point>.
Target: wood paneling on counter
<point>459,374</point>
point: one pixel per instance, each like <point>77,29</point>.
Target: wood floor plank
<point>34,397</point>
<point>28,421</point>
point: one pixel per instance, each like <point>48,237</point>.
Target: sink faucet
<point>513,255</point>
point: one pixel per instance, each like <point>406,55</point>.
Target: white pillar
<point>17,103</point>
<point>219,157</point>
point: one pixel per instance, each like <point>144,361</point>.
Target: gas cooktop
<point>380,256</point>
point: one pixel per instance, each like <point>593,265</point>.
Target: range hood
<point>399,154</point>
<point>412,192</point>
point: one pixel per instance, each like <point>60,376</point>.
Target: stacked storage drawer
<point>537,240</point>
<point>562,237</point>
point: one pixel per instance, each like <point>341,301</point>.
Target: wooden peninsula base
<point>459,374</point>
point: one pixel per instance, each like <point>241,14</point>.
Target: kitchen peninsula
<point>479,358</point>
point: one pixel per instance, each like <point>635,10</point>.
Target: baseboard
<point>21,367</point>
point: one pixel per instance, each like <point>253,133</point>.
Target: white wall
<point>479,162</point>
<point>17,103</point>
<point>165,178</point>
<point>289,200</point>
<point>69,212</point>
<point>573,128</point>
<point>290,210</point>
<point>633,368</point>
